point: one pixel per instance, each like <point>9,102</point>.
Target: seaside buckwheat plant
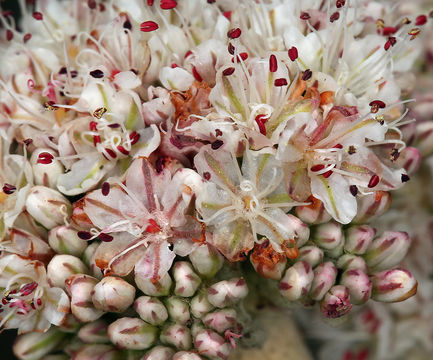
<point>168,168</point>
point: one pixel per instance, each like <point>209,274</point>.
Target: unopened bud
<point>393,285</point>
<point>302,230</point>
<point>296,281</point>
<point>186,355</point>
<point>97,352</point>
<point>62,267</point>
<point>227,292</point>
<point>200,305</point>
<point>336,302</point>
<point>132,333</point>
<point>178,309</point>
<point>424,134</point>
<point>47,206</point>
<point>207,260</point>
<point>221,320</point>
<point>64,240</point>
<point>314,213</point>
<point>94,332</point>
<point>372,206</point>
<point>113,294</point>
<point>80,287</point>
<point>328,236</point>
<point>159,353</point>
<point>89,260</point>
<point>268,262</point>
<point>388,250</point>
<point>358,239</point>
<point>177,335</point>
<point>348,261</point>
<point>186,280</point>
<point>196,327</point>
<point>311,254</point>
<point>160,288</point>
<point>36,345</point>
<point>359,285</point>
<point>409,159</point>
<point>57,357</point>
<point>46,174</point>
<point>324,278</point>
<point>212,345</point>
<point>336,252</point>
<point>151,310</point>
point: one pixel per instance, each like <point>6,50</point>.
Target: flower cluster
<point>157,147</point>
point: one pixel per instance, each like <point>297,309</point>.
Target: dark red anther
<point>27,289</point>
<point>105,190</point>
<point>105,237</point>
<point>261,121</point>
<point>168,4</point>
<point>197,76</point>
<point>122,150</point>
<point>9,35</point>
<point>27,37</point>
<point>231,49</point>
<point>293,53</point>
<point>273,65</point>
<point>306,75</point>
<point>174,66</point>
<point>353,190</point>
<point>404,178</point>
<point>114,126</point>
<point>327,174</point>
<point>334,17</point>
<point>228,71</point>
<point>242,56</point>
<point>9,188</point>
<point>338,146</point>
<point>153,227</point>
<point>376,105</point>
<point>84,235</point>
<point>317,167</point>
<point>389,30</point>
<point>217,144</point>
<point>148,26</point>
<point>304,15</point>
<point>93,126</point>
<point>340,3</point>
<point>37,15</point>
<point>39,301</point>
<point>96,140</point>
<point>227,15</point>
<point>374,180</point>
<point>134,137</point>
<point>420,20</point>
<point>206,175</point>
<point>97,74</point>
<point>127,25</point>
<point>188,53</point>
<point>111,152</point>
<point>234,33</point>
<point>27,142</point>
<point>91,4</point>
<point>218,132</point>
<point>280,82</point>
<point>45,158</point>
<point>150,2</point>
<point>391,42</point>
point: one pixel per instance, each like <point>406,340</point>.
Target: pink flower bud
<point>113,294</point>
<point>336,252</point>
<point>62,267</point>
<point>186,280</point>
<point>388,250</point>
<point>200,305</point>
<point>64,240</point>
<point>89,260</point>
<point>80,287</point>
<point>178,309</point>
<point>97,352</point>
<point>207,260</point>
<point>393,285</point>
<point>314,213</point>
<point>297,281</point>
<point>46,174</point>
<point>336,302</point>
<point>212,345</point>
<point>371,206</point>
<point>227,292</point>
<point>132,333</point>
<point>311,254</point>
<point>328,236</point>
<point>221,320</point>
<point>358,238</point>
<point>160,288</point>
<point>151,310</point>
<point>324,278</point>
<point>267,262</point>
<point>409,159</point>
<point>159,353</point>
<point>47,206</point>
<point>302,230</point>
<point>359,285</point>
<point>177,335</point>
<point>186,355</point>
<point>196,326</point>
<point>36,345</point>
<point>348,261</point>
<point>94,332</point>
<point>424,134</point>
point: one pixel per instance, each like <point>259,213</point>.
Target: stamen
<point>9,189</point>
<point>353,190</point>
<point>374,180</point>
<point>273,65</point>
<point>280,82</point>
<point>84,235</point>
<point>97,74</point>
<point>229,71</point>
<point>148,26</point>
<point>404,178</point>
<point>105,188</point>
<point>234,33</point>
<point>45,158</point>
<point>293,53</point>
<point>420,20</point>
<point>168,4</point>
